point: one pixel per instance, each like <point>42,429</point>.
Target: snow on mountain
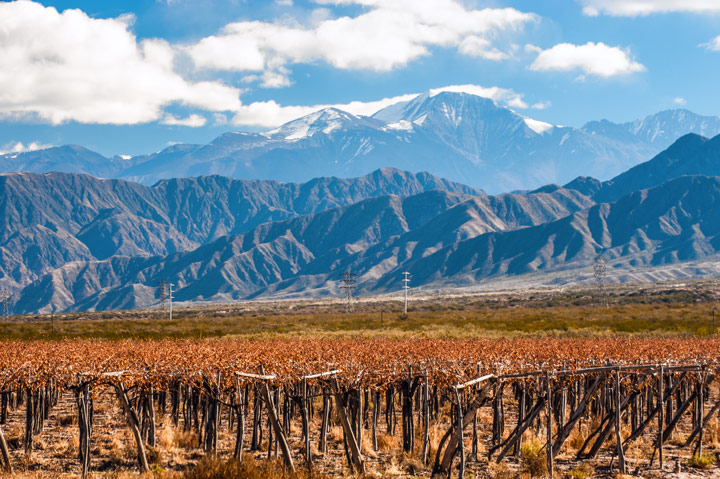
<point>539,127</point>
<point>452,134</point>
<point>324,121</point>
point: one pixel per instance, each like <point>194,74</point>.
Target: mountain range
<point>74,242</point>
<point>458,136</point>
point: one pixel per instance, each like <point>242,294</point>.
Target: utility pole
<point>348,281</point>
<point>406,287</point>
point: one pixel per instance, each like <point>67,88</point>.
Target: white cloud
<point>713,45</point>
<point>541,105</point>
<point>70,67</point>
<point>20,147</point>
<point>387,35</point>
<point>679,101</point>
<point>595,59</point>
<point>632,8</point>
<point>193,120</point>
<point>270,114</point>
<point>474,46</point>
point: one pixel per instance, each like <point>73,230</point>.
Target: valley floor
<point>642,312</point>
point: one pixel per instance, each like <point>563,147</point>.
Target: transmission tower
<point>347,284</point>
<point>5,299</point>
<point>170,297</point>
<point>600,274</point>
<point>406,287</point>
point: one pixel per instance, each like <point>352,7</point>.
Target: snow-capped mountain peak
<point>324,121</point>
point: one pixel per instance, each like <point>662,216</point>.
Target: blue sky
<point>132,77</point>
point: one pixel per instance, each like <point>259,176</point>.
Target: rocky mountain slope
<point>52,219</point>
<point>458,136</point>
<point>309,250</point>
<point>221,239</point>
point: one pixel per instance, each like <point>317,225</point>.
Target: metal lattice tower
<point>164,293</point>
<point>166,297</point>
<point>600,274</point>
<point>406,287</point>
<point>347,284</point>
<point>5,299</point>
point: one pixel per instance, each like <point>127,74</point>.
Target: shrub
<point>700,461</point>
<point>533,459</point>
<point>583,471</point>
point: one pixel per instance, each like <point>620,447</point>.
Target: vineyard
<point>455,405</point>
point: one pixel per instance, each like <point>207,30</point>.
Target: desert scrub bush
<point>583,471</point>
<point>532,459</point>
<point>701,461</point>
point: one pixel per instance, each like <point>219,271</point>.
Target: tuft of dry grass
<point>533,458</point>
<point>701,461</point>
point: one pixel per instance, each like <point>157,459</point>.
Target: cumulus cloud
<point>387,35</point>
<point>646,7</point>
<point>475,46</point>
<point>20,147</point>
<point>541,105</point>
<point>713,45</point>
<point>193,120</point>
<point>270,114</point>
<point>595,59</point>
<point>70,67</point>
<point>679,101</point>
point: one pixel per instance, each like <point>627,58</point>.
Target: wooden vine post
<point>240,421</point>
<point>426,419</point>
<point>134,424</point>
<point>661,409</point>
<point>82,397</point>
<point>7,465</point>
<point>357,459</point>
<point>618,414</point>
<point>549,384</point>
<point>461,438</point>
<point>273,416</point>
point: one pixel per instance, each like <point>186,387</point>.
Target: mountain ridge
<point>459,136</point>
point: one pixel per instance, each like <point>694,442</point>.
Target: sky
<point>134,77</point>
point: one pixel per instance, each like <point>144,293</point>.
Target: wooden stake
<point>240,421</point>
<point>461,438</point>
<point>7,465</point>
<point>426,419</point>
<point>549,427</point>
<point>134,425</point>
<point>618,413</point>
<point>355,454</point>
<point>661,402</point>
<point>272,413</point>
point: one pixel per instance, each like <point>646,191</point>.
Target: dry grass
<point>215,468</point>
<point>660,309</point>
<point>533,458</point>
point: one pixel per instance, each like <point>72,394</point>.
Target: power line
<point>406,287</point>
<point>347,284</point>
